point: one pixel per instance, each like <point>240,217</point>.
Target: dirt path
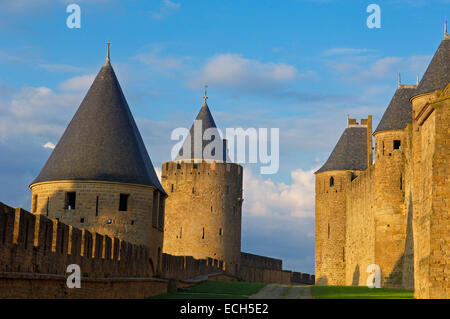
<point>276,291</point>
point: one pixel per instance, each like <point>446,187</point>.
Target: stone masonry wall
<point>257,261</point>
<point>203,211</point>
<point>430,193</point>
<point>360,236</point>
<point>390,216</point>
<point>330,223</point>
<point>97,210</point>
<point>35,244</point>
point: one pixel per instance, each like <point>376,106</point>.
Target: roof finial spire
<point>206,96</point>
<point>399,80</point>
<point>107,52</point>
<point>445,27</point>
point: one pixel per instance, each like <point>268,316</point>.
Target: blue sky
<point>300,66</point>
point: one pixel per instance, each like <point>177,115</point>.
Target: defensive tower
<point>390,217</point>
<point>351,155</point>
<point>100,176</point>
<point>203,209</point>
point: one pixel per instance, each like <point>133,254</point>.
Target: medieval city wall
<point>431,186</point>
<point>257,261</point>
<point>360,235</point>
<point>35,252</point>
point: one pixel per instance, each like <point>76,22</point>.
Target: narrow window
<point>178,166</point>
<point>383,148</point>
<point>48,204</point>
<point>331,181</point>
<point>132,222</point>
<point>343,254</point>
<point>220,231</point>
<point>193,190</point>
<point>96,207</point>
<point>211,209</point>
<point>194,166</point>
<point>172,188</point>
<point>155,208</point>
<point>82,220</point>
<point>203,233</point>
<point>228,190</point>
<point>401,181</point>
<point>161,212</point>
<point>35,199</point>
<point>328,231</point>
<point>397,144</point>
<point>181,232</point>
<point>123,202</point>
<point>70,200</point>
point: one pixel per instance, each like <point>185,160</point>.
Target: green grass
<point>354,292</point>
<point>216,290</point>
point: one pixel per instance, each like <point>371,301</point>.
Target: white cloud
<point>159,63</point>
<point>49,145</point>
<point>166,9</point>
<point>370,68</point>
<point>158,173</point>
<point>277,200</point>
<point>77,83</point>
<point>235,71</point>
<point>40,113</point>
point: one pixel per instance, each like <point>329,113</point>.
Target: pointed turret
<point>398,114</point>
<point>437,75</point>
<point>102,141</point>
<point>350,152</point>
<point>197,144</point>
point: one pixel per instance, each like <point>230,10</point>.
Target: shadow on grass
<point>216,290</point>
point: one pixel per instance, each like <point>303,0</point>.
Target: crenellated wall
<point>35,244</point>
<point>257,261</point>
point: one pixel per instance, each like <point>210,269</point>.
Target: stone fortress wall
<point>395,213</point>
<point>35,252</point>
<point>96,207</point>
<point>203,211</point>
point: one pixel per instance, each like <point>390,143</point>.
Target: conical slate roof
<point>350,152</point>
<point>437,75</point>
<point>194,144</point>
<point>398,113</point>
<point>102,141</point>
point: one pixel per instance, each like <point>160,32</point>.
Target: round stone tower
<point>390,217</point>
<point>351,155</point>
<point>203,208</point>
<point>100,176</point>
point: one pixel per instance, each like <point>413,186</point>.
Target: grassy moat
<point>242,290</point>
